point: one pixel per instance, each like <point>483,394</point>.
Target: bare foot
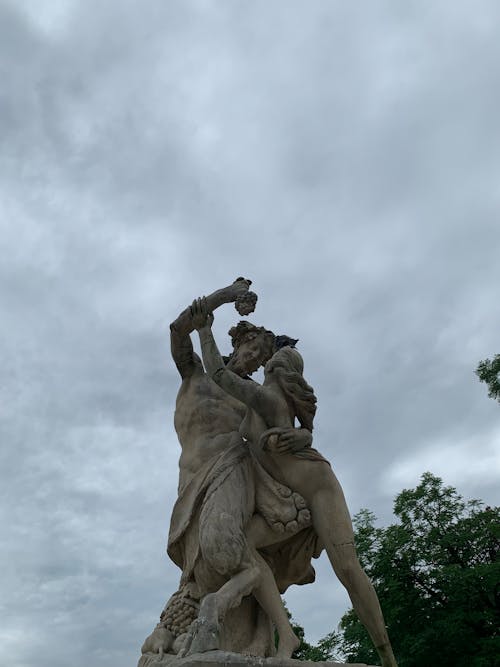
<point>386,655</point>
<point>287,645</point>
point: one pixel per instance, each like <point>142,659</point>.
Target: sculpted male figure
<point>217,478</point>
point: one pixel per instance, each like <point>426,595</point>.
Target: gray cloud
<point>344,158</point>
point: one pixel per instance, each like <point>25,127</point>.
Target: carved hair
<point>244,331</point>
<point>288,365</point>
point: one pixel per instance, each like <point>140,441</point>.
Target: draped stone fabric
<point>242,480</point>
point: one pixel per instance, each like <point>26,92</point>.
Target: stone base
<point>227,659</point>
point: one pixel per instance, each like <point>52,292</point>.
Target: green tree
<point>326,649</point>
<point>489,371</point>
<point>437,574</point>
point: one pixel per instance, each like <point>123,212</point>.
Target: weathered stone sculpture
<point>256,501</point>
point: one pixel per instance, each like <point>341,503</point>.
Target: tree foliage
<point>327,648</point>
<point>489,371</point>
<point>437,574</point>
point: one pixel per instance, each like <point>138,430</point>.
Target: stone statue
<point>256,500</point>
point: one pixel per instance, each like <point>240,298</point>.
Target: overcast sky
<point>345,157</point>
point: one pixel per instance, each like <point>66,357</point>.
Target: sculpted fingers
<point>286,442</point>
<point>278,430</point>
<point>195,307</point>
<point>244,281</point>
<point>294,440</point>
<point>199,310</point>
<point>283,448</point>
<point>205,311</point>
<point>269,440</point>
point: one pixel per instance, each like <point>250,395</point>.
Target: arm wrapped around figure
<point>245,391</point>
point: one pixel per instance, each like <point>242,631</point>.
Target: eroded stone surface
<point>256,501</point>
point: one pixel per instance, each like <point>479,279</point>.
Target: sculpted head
<point>286,359</point>
<point>285,368</point>
<point>252,347</point>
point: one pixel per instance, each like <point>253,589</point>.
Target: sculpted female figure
<point>272,406</point>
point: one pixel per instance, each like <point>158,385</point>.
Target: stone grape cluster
<point>179,613</point>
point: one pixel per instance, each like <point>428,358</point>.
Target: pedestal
<point>226,659</point>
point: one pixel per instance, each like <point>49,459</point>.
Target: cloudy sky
<point>345,157</point>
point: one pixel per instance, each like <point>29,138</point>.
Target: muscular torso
<point>207,421</point>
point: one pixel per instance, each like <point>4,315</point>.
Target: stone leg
<point>204,632</point>
<point>268,597</point>
<point>317,483</point>
<point>332,522</point>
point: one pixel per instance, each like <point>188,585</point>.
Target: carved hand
<point>240,287</point>
<point>200,314</point>
<point>236,292</point>
<point>293,440</point>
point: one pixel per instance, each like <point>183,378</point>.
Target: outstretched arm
<point>247,392</point>
<point>183,325</point>
<point>180,342</point>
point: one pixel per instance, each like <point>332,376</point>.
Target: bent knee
<point>346,564</point>
<point>254,574</point>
